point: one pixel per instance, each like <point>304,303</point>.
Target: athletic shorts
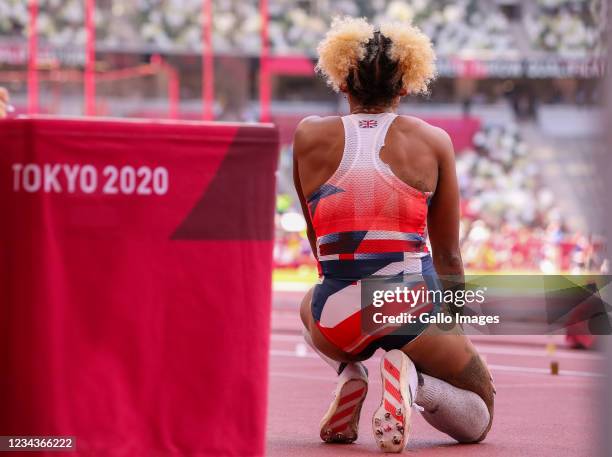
<point>345,315</point>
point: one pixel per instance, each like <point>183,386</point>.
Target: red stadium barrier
<point>135,284</point>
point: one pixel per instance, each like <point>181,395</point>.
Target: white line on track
<point>488,349</point>
<point>495,367</point>
<point>285,353</point>
<point>331,379</point>
<point>561,354</point>
<point>546,385</point>
<point>582,374</point>
<point>305,376</point>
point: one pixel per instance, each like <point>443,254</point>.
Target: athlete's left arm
<point>443,215</point>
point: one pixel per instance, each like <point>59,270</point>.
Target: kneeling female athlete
<point>372,186</point>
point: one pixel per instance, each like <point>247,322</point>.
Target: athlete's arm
<point>443,215</point>
<point>4,99</point>
<point>301,147</point>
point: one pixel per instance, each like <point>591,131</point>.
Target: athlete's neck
<point>356,107</point>
<point>371,110</point>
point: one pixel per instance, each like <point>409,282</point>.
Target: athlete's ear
<point>403,92</point>
<point>343,88</point>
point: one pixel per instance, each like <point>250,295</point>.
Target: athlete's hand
<point>4,102</point>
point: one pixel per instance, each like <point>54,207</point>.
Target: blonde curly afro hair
<point>343,46</point>
<point>414,52</point>
<point>375,64</point>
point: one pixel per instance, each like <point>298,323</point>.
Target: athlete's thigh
<point>318,339</point>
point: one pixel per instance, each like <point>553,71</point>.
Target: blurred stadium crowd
<point>566,26</point>
<point>510,219</point>
<point>458,27</point>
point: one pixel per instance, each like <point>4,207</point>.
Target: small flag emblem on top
<point>368,124</point>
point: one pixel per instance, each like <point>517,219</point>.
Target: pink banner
<point>135,284</point>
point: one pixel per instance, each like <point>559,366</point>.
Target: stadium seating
<point>461,27</point>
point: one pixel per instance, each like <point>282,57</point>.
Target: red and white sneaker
<point>391,421</point>
<point>341,422</point>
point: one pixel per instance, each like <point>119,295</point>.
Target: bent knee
<point>488,397</point>
<point>477,435</point>
<point>481,437</point>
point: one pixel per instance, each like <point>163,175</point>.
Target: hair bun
<point>343,46</point>
<point>414,52</point>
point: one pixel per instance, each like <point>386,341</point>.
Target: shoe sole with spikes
<point>391,421</point>
<point>341,422</point>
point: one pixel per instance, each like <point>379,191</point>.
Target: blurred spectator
<point>461,27</point>
<point>13,17</point>
<point>567,27</point>
<point>60,22</point>
<point>236,26</point>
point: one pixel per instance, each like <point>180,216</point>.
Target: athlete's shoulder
<point>437,138</point>
<point>318,123</point>
<point>314,131</point>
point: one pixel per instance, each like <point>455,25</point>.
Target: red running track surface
<point>537,414</point>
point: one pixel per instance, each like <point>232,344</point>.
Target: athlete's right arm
<point>443,215</point>
<point>301,147</point>
<point>4,99</point>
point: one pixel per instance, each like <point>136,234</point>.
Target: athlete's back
<point>412,150</point>
<point>417,153</point>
